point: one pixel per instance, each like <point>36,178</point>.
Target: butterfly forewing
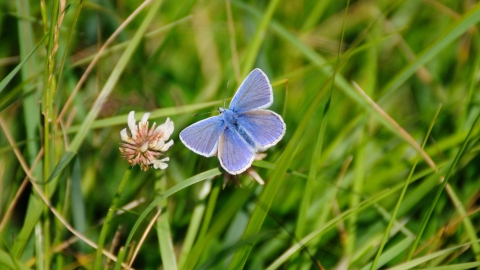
<point>202,137</point>
<point>234,153</point>
<point>264,127</point>
<point>255,92</point>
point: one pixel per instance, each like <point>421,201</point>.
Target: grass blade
<point>412,263</point>
<point>257,40</point>
<point>160,113</point>
<point>390,254</point>
<point>14,72</point>
<point>459,266</point>
<point>400,199</point>
<point>7,260</point>
<point>426,218</point>
<point>164,233</point>
<point>108,218</point>
<point>457,29</point>
<point>188,182</point>
<point>366,203</point>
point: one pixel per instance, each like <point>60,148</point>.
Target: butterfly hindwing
<point>264,127</point>
<point>202,137</point>
<point>234,153</point>
<point>255,92</point>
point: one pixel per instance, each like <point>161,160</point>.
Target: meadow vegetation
<point>378,167</point>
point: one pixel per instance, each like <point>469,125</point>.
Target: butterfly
<point>242,130</point>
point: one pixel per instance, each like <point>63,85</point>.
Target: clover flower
<point>144,146</point>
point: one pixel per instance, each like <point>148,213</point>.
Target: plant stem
<point>108,219</point>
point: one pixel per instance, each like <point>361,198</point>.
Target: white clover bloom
<point>144,146</point>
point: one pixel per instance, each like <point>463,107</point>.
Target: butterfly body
<point>240,131</point>
<point>229,117</point>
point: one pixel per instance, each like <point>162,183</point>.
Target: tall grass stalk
<point>400,199</point>
<point>108,219</point>
<point>444,182</point>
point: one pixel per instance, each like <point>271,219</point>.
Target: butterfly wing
<point>202,137</point>
<point>255,92</point>
<point>234,153</point>
<point>263,128</point>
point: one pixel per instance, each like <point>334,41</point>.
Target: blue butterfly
<point>242,130</point>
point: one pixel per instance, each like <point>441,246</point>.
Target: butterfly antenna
<point>196,114</point>
<point>225,97</point>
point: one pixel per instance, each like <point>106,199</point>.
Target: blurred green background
<point>334,184</point>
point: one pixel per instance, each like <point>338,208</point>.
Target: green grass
<point>351,185</point>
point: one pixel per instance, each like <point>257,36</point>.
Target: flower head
<point>144,146</point>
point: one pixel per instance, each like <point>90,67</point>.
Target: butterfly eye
<point>221,110</point>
